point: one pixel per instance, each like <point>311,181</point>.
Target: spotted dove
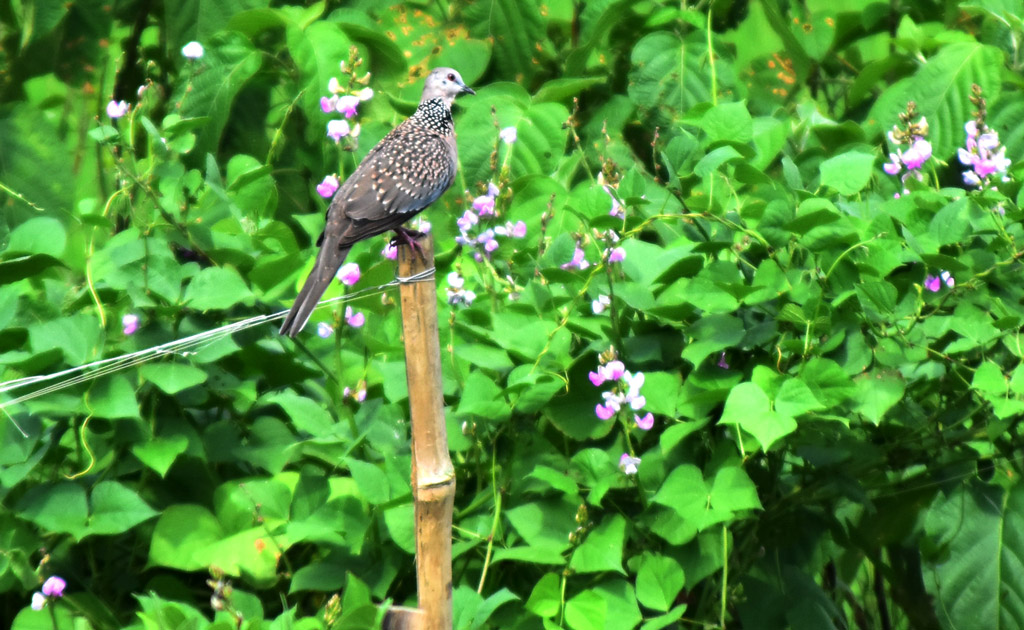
<point>406,172</point>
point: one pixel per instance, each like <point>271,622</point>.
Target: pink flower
<point>338,129</point>
<point>328,105</point>
<point>934,283</point>
<point>605,412</point>
<point>617,211</point>
<point>116,109</point>
<point>390,251</point>
<point>354,319</point>
<point>629,464</point>
<point>490,245</point>
<point>492,189</point>
<point>597,378</point>
<point>130,323</point>
<point>645,423</point>
<point>54,586</point>
<point>721,361</point>
<point>617,254</point>
<point>484,204</point>
<point>917,154</point>
<point>892,167</point>
<point>614,370</point>
<point>349,273</point>
<point>578,260</point>
<point>467,220</point>
<point>324,330</point>
<point>328,187</point>
<point>518,230</point>
<point>347,105</point>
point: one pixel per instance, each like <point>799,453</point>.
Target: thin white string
<point>110,365</point>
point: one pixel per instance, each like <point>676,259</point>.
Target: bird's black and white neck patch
<point>435,115</point>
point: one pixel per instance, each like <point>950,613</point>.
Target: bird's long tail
<point>328,261</point>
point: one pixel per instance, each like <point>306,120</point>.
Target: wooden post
<point>433,477</point>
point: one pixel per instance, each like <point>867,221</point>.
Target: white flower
<point>508,134</point>
<point>192,50</point>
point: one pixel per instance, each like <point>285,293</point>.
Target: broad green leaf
<point>978,529</point>
<point>184,537</point>
<point>877,392</point>
<point>159,453</point>
<point>38,235</point>
<point>602,548</point>
<point>58,507</point>
<point>586,611</point>
<point>172,377</point>
<point>733,490</point>
<point>748,406</point>
<point>728,121</point>
<point>546,598</point>
<point>116,509</point>
<point>658,581</point>
<point>113,397</point>
<point>848,173</point>
<point>216,288</point>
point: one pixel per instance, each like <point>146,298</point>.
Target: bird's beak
<point>466,89</point>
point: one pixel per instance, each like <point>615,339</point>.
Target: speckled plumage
<point>409,169</point>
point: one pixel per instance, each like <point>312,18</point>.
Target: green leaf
<point>56,507</point>
<point>113,397</point>
<point>116,509</point>
<point>159,453</point>
<point>827,381</point>
<point>38,235</point>
<point>877,392</point>
<point>216,288</point>
<point>728,121</point>
<point>733,490</point>
<point>658,581</point>
<point>848,173</point>
<point>522,31</point>
<point>980,530</point>
<point>229,62</point>
<point>183,538</point>
<point>546,597</point>
<point>586,611</point>
<point>748,407</point>
<point>602,548</point>
<point>711,334</point>
<point>306,415</point>
<point>794,398</point>
<point>656,81</point>
<point>172,377</point>
<point>372,483</point>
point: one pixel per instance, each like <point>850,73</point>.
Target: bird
<point>409,169</point>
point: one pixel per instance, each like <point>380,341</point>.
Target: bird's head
<point>445,84</point>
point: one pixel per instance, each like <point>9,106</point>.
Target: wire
<point>183,347</point>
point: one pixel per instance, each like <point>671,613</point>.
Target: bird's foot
<point>409,237</point>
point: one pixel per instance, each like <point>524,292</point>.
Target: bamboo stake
<point>433,477</point>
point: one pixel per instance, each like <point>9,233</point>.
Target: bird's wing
<point>394,183</point>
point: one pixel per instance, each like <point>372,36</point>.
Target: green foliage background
<point>834,446</point>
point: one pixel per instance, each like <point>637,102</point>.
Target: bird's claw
<point>409,237</point>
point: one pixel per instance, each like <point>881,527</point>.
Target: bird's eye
<point>451,77</point>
